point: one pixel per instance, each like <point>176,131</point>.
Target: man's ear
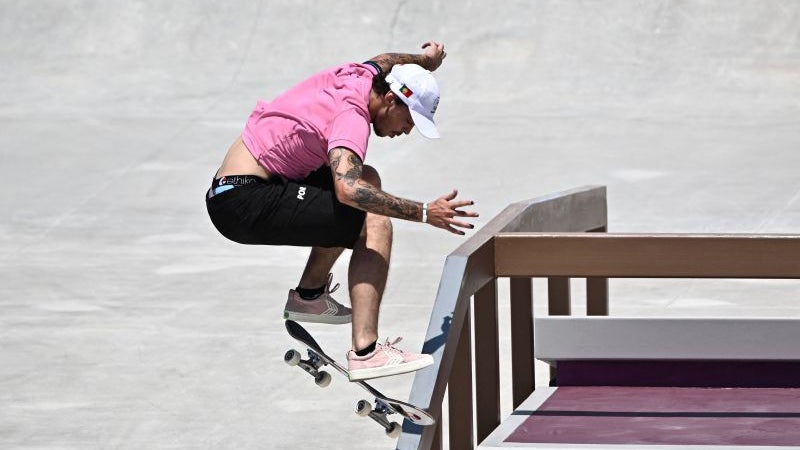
<point>389,98</point>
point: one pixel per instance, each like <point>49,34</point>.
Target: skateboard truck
<point>312,366</point>
<point>378,414</point>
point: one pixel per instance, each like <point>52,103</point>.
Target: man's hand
<point>435,53</point>
<point>430,59</point>
<point>443,211</point>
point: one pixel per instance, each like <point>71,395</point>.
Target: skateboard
<point>384,406</point>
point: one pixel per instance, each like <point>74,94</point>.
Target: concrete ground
<point>127,322</point>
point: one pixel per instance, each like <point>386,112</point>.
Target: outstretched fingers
<point>467,213</point>
<point>458,223</point>
<point>446,213</point>
<point>460,204</point>
<point>456,204</point>
<point>451,195</point>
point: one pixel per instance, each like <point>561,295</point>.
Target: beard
<point>378,130</point>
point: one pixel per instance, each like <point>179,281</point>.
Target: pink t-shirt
<point>292,135</point>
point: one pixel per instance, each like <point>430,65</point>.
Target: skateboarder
<point>296,176</point>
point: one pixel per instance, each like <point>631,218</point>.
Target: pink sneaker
<point>386,360</point>
<point>322,310</point>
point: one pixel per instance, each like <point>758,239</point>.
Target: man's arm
<point>353,190</point>
<point>431,59</point>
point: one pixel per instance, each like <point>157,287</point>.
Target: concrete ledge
<point>615,338</point>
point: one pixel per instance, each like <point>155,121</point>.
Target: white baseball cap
<point>417,88</point>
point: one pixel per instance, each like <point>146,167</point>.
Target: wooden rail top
<point>647,255</point>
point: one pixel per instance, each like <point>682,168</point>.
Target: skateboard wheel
<point>394,430</point>
<point>323,379</point>
<point>292,357</point>
<point>363,408</point>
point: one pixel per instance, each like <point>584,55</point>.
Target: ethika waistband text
<point>236,180</point>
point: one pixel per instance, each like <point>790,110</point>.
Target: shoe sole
<point>317,318</point>
<point>387,371</point>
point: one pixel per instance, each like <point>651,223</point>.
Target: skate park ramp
<point>126,321</point>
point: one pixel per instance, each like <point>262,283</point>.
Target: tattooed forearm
<point>371,199</point>
<point>352,190</point>
<point>389,60</point>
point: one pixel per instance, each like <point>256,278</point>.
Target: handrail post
<point>460,392</point>
<point>558,296</point>
<point>597,290</point>
<point>437,438</point>
<point>523,373</point>
<point>596,296</point>
<point>487,360</point>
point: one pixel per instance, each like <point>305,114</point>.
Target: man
<point>296,177</point>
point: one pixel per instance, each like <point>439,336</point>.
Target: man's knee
<point>378,227</point>
<point>375,224</point>
<point>371,176</point>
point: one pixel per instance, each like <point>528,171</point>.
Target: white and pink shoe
<point>385,361</point>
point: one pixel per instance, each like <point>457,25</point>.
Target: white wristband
<point>424,213</point>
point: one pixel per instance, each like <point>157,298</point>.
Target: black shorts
<point>303,213</point>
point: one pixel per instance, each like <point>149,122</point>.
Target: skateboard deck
<point>384,406</point>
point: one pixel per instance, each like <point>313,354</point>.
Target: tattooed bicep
<point>345,165</point>
<point>335,156</point>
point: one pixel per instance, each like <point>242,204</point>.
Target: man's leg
<point>369,268</point>
<point>319,265</point>
<point>311,300</point>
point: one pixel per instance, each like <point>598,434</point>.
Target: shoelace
<point>328,287</point>
<point>391,345</point>
<point>386,346</point>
